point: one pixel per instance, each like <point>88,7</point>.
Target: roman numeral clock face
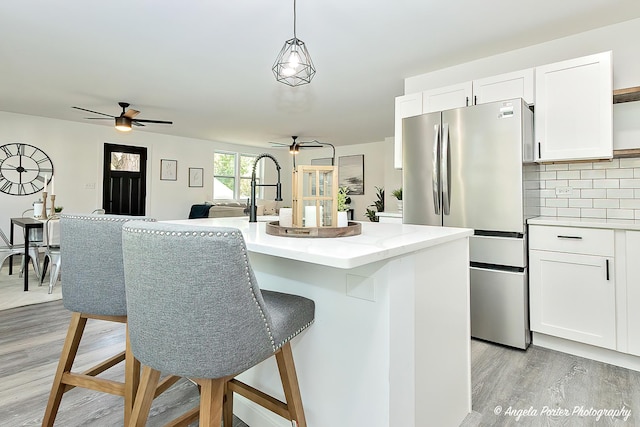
<point>23,168</point>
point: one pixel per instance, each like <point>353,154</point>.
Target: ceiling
<point>206,65</point>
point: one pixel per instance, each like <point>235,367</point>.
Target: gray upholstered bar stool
<point>195,310</point>
<point>93,288</point>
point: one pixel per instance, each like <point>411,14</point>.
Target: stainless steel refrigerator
<point>465,168</point>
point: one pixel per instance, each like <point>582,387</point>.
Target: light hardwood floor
<point>31,339</point>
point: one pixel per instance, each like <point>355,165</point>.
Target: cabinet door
<point>406,106</point>
<point>574,109</point>
<point>518,84</point>
<point>633,291</point>
<point>446,98</point>
<point>573,296</point>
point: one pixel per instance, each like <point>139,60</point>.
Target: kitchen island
<point>390,344</point>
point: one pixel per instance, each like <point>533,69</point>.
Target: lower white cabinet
<point>572,285</point>
<point>573,296</point>
<point>632,251</point>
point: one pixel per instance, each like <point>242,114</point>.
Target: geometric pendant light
<point>293,65</point>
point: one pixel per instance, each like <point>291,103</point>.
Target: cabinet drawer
<point>588,241</point>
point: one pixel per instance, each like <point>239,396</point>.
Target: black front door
<point>124,179</point>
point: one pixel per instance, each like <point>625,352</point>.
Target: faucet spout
<point>253,209</point>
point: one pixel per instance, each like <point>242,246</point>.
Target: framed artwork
<point>168,170</point>
<point>351,173</point>
<point>325,161</point>
<point>196,177</point>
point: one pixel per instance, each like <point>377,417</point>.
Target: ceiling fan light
<point>123,124</point>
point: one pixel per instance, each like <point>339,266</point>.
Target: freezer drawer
<point>498,250</point>
<point>500,307</point>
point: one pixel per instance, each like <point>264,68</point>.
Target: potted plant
<point>343,206</point>
<point>378,204</point>
<point>398,195</point>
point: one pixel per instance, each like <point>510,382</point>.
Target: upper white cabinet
<point>446,98</point>
<point>406,106</point>
<point>574,109</point>
<point>518,84</point>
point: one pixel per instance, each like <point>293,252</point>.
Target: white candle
<point>46,182</point>
<point>286,217</point>
<point>53,185</point>
<point>310,216</point>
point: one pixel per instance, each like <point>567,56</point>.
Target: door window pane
<point>127,162</point>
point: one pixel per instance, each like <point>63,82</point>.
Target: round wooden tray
<point>353,229</point>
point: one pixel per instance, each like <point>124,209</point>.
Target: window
<point>128,162</point>
<point>232,175</point>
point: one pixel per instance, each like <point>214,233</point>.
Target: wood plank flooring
<point>30,342</point>
<point>31,339</point>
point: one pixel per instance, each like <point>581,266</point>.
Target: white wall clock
<point>23,169</point>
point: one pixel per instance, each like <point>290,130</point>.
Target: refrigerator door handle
<point>435,174</point>
<point>444,171</point>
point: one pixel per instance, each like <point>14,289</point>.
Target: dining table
<point>30,227</point>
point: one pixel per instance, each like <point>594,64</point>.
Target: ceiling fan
<point>125,119</point>
<point>295,147</point>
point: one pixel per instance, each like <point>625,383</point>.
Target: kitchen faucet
<point>253,209</point>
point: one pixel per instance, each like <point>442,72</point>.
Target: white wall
<point>378,172</point>
<point>621,38</point>
<point>76,150</point>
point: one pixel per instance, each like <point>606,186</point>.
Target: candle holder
<point>315,193</point>
<point>53,205</point>
<point>43,215</point>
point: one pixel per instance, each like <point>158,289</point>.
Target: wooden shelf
<point>629,94</point>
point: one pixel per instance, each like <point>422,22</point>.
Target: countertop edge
<point>610,223</point>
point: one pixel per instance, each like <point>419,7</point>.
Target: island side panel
<point>443,342</point>
<point>342,360</point>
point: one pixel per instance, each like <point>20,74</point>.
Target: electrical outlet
<point>564,191</point>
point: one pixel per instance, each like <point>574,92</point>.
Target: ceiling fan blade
<point>135,123</point>
<point>280,144</point>
<point>131,113</point>
<point>98,118</point>
<point>94,112</point>
<point>153,121</point>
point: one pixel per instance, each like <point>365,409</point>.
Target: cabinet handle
<point>539,155</point>
<point>570,237</point>
<point>607,269</point>
<point>467,101</point>
<point>475,100</point>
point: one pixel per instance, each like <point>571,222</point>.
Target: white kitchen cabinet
<point>574,109</point>
<point>446,98</point>
<point>632,252</point>
<point>572,285</point>
<point>518,84</point>
<point>406,106</point>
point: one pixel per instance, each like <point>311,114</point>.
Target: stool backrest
<point>195,308</point>
<point>93,278</point>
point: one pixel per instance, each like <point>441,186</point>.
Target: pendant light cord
<point>294,20</point>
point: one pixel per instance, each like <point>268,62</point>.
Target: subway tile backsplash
<point>590,189</point>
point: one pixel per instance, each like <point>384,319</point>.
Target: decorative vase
<point>343,220</point>
<point>399,206</point>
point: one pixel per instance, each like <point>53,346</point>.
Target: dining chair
<point>195,310</point>
<point>8,249</point>
<point>52,251</point>
<point>93,288</point>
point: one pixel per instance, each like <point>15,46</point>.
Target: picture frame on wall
<point>351,173</point>
<point>196,177</point>
<point>168,170</point>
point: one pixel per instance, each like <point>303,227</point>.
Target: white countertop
<point>376,243</point>
<point>389,214</point>
<point>617,224</point>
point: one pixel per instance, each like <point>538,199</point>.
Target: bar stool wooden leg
<point>213,391</point>
<point>131,380</point>
<point>145,395</point>
<point>284,358</point>
<point>227,409</point>
<point>69,351</point>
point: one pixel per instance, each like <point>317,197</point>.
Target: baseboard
<point>255,415</point>
<point>599,354</point>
